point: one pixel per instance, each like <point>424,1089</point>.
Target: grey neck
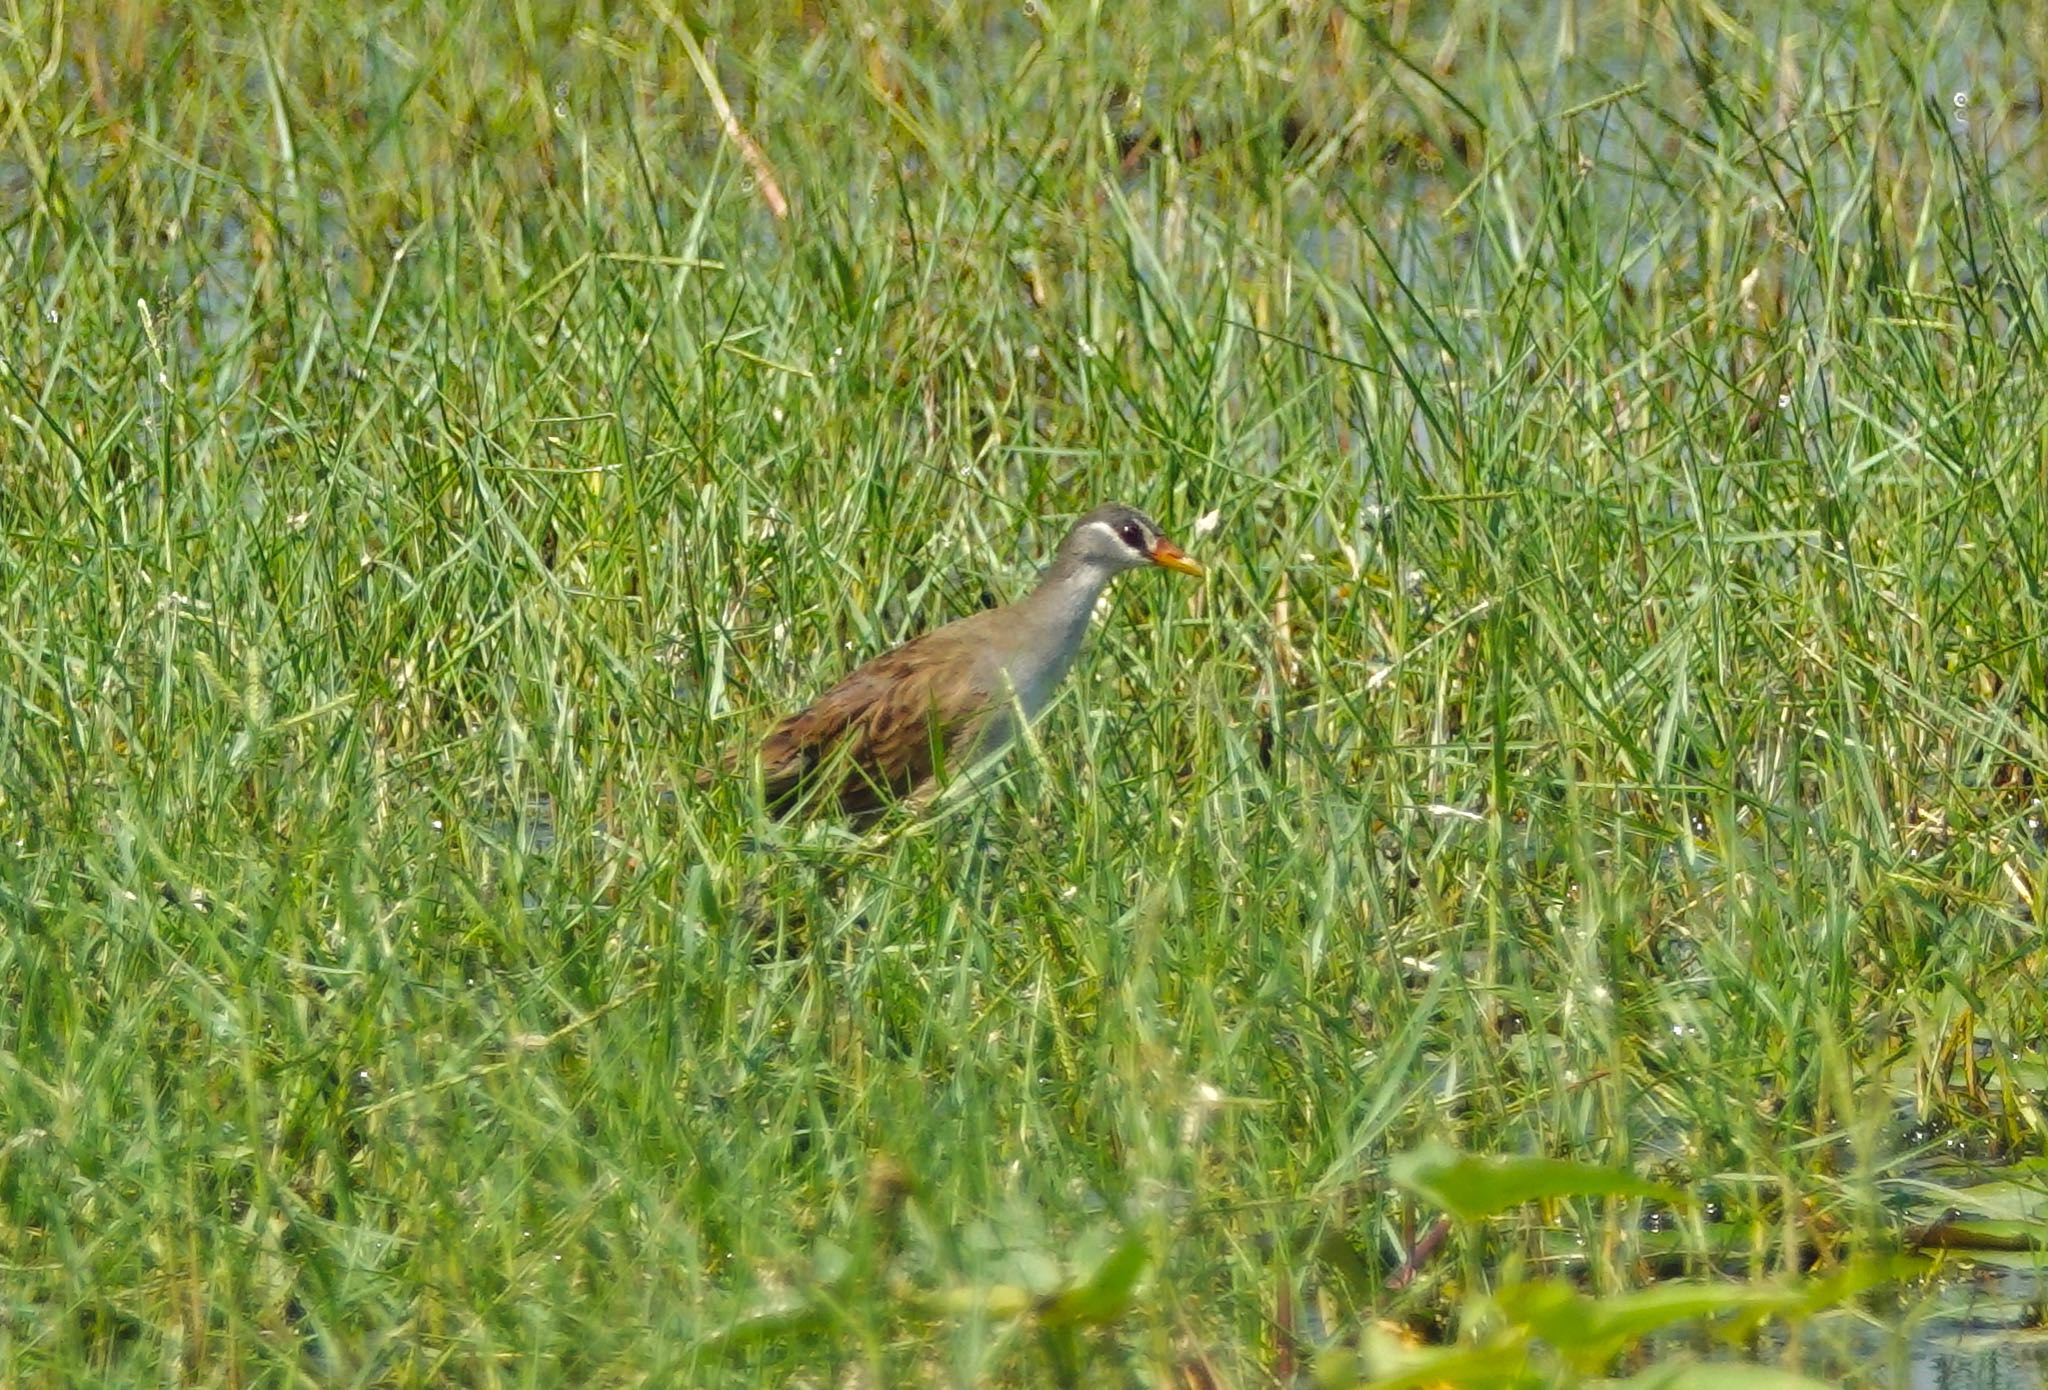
<point>1063,603</point>
<point>1070,588</point>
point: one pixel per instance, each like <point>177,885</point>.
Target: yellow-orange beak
<point>1170,556</point>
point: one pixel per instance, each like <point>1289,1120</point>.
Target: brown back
<point>879,734</point>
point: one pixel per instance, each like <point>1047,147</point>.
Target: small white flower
<point>1201,1105</point>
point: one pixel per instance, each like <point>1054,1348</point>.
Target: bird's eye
<point>1133,537</point>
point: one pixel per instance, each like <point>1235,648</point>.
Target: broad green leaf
<point>2005,1200</point>
<point>1590,1329</point>
<point>1471,1188</point>
<point>1715,1375</point>
<point>1105,1294</point>
<point>1383,1362</point>
<point>775,1323</point>
<point>997,1301</point>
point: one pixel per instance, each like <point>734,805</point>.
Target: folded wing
<point>883,731</point>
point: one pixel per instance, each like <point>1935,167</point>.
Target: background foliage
<point>1609,733</point>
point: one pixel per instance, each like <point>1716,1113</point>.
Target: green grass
<point>1609,732</point>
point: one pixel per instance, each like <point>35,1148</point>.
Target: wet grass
<point>1610,733</point>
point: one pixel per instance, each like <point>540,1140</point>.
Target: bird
<point>944,700</point>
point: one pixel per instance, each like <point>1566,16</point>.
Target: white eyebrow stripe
<point>1110,531</point>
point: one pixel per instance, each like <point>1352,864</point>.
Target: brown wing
<point>872,737</point>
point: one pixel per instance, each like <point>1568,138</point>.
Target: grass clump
<point>1610,734</point>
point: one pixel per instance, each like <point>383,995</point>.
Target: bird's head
<point>1115,537</point>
